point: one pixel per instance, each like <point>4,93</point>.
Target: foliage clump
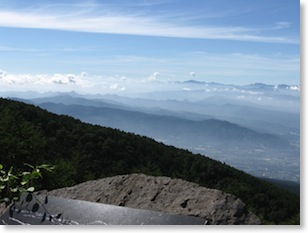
<point>13,185</point>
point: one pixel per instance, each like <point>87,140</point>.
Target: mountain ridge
<point>81,152</point>
<point>159,126</point>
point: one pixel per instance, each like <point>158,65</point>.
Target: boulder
<point>165,195</point>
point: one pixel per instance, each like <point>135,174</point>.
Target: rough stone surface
<point>162,194</point>
<point>3,208</point>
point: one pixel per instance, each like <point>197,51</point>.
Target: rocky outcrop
<point>162,194</point>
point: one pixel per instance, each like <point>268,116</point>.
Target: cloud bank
<point>122,85</point>
<point>228,68</point>
<point>82,83</point>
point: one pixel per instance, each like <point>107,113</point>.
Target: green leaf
<point>22,190</point>
<point>25,173</point>
<point>23,182</point>
<point>35,174</point>
<point>14,190</point>
<point>26,178</point>
<point>4,179</point>
<point>10,171</point>
<point>30,189</point>
<point>16,199</point>
<point>29,165</point>
<point>35,207</point>
<point>11,176</point>
<point>47,167</point>
<point>1,166</point>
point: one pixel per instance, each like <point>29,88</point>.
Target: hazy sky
<point>83,42</point>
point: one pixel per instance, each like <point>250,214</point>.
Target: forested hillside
<point>83,152</point>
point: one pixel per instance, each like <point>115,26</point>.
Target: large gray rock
<point>162,194</point>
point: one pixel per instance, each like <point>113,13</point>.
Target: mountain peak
<point>192,81</point>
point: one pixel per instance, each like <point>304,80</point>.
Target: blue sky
<point>227,41</point>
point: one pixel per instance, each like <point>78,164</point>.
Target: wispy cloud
<point>117,22</point>
<point>13,49</point>
<point>282,25</point>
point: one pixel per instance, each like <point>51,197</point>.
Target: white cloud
<point>2,74</point>
<point>282,25</point>
<point>124,78</point>
<point>240,97</point>
<point>192,74</point>
<point>84,74</point>
<point>82,83</point>
<point>60,79</point>
<point>114,86</point>
<point>108,21</point>
<point>295,88</point>
<point>154,76</point>
<point>43,80</point>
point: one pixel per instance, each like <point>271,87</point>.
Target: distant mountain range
<point>170,129</point>
<point>254,127</point>
<point>253,85</point>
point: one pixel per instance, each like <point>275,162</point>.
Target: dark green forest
<point>82,152</point>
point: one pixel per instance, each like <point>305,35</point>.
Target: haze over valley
<point>255,128</point>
